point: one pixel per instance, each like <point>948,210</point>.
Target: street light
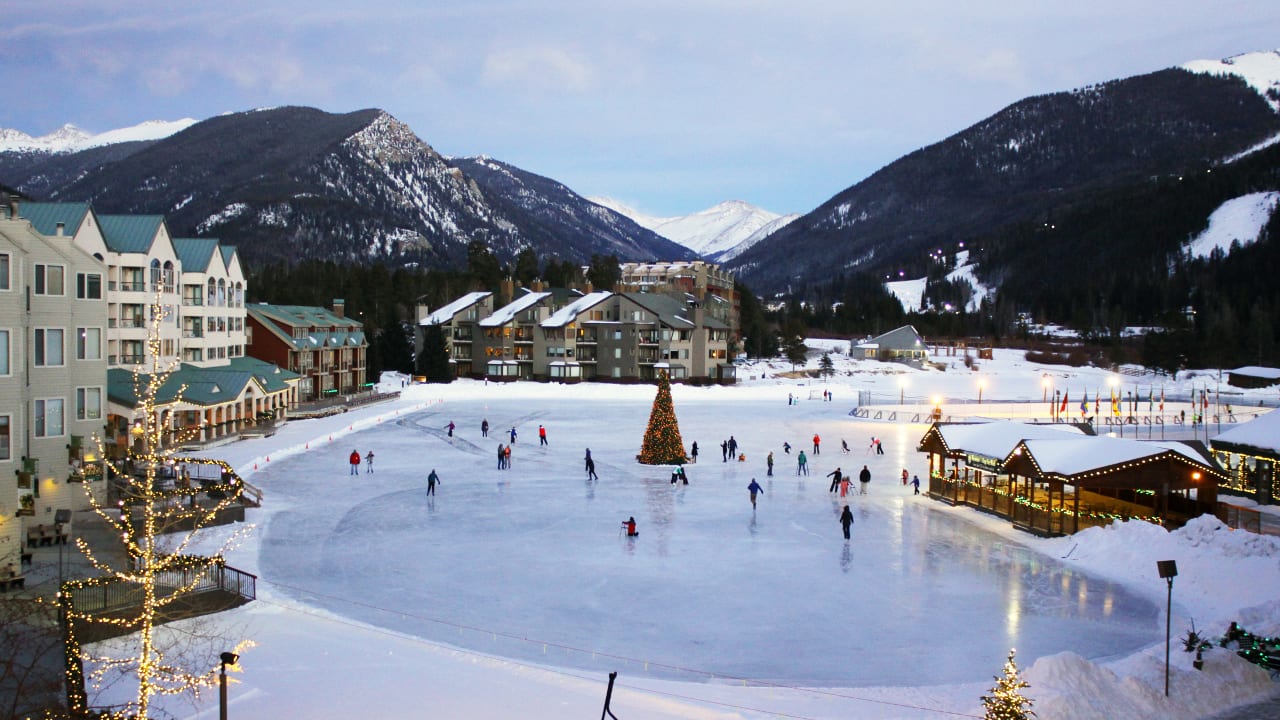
<point>981,384</point>
<point>230,658</point>
<point>1168,570</point>
<point>902,389</point>
<point>1045,382</point>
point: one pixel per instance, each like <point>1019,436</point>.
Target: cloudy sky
<point>668,106</point>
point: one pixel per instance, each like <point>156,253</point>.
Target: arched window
<point>213,291</point>
<point>155,275</point>
<point>239,294</point>
<point>168,276</point>
<point>222,292</point>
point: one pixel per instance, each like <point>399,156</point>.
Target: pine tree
<point>826,368</point>
<point>434,360</point>
<point>1006,701</point>
<point>662,443</point>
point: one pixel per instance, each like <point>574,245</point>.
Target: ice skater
<point>368,462</point>
<point>502,458</point>
<point>629,526</point>
<point>733,447</point>
<point>355,462</point>
<point>542,435</point>
<point>786,448</point>
<point>879,447</point>
<point>802,464</point>
<point>864,479</point>
<point>754,487</point>
<point>724,451</point>
<point>432,479</point>
<point>844,447</point>
<point>484,428</point>
<point>835,479</point>
<point>905,475</point>
<point>915,483</point>
<point>846,521</point>
<point>450,428</point>
<point>817,443</point>
<point>591,467</point>
<point>693,452</point>
<point>513,434</point>
<point>769,462</point>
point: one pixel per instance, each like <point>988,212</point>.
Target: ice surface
<point>918,595</point>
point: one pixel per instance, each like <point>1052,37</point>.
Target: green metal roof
<point>195,253</point>
<point>228,252</point>
<point>45,216</point>
<point>201,385</point>
<point>130,233</point>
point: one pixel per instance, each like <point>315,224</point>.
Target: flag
<point>1064,400</point>
<point>1161,398</point>
<point>1204,399</point>
<point>1084,404</point>
<point>1151,399</point>
<point>1115,404</point>
<point>1097,403</point>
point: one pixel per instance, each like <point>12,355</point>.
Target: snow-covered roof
<point>1257,371</point>
<point>1072,456</point>
<point>997,439</point>
<point>1262,433</point>
<point>569,313</point>
<point>445,314</point>
<point>507,313</point>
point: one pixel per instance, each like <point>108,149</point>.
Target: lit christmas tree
<point>1006,701</point>
<point>662,444</point>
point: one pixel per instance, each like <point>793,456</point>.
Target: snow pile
<point>1237,220</point>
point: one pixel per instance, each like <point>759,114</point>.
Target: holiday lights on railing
<point>1021,500</point>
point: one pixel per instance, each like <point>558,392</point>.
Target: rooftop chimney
<point>61,229</point>
<point>340,307</point>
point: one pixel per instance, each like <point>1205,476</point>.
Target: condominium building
<point>53,366</point>
<point>325,348</point>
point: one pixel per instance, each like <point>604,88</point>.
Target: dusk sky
<point>667,106</point>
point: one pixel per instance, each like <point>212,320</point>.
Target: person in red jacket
<point>355,462</point>
<point>816,441</point>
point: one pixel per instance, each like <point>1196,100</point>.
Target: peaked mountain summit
<point>717,233</point>
<point>293,182</point>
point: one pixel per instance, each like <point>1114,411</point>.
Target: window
<point>4,272</point>
<point>88,403</point>
<point>5,425</point>
<point>49,279</point>
<point>48,347</point>
<point>88,343</point>
<point>89,286</point>
<point>48,420</point>
<point>4,352</point>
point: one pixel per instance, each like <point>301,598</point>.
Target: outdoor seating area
<point>11,578</point>
<point>47,535</point>
<point>1057,480</point>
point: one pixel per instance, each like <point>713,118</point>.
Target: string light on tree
<point>662,442</point>
<point>1006,701</point>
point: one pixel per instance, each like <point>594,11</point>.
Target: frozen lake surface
<point>529,563</point>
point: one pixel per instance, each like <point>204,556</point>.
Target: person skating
<point>786,448</point>
<point>915,482</point>
<point>684,479</point>
<point>506,458</point>
<point>835,479</point>
<point>630,525</point>
<point>432,479</point>
<point>846,520</point>
<point>817,441</point>
<point>450,427</point>
<point>724,451</point>
<point>502,458</point>
<point>769,462</point>
<point>879,447</point>
<point>693,452</point>
<point>484,428</point>
<point>905,476</point>
<point>844,447</point>
<point>542,435</point>
<point>864,479</point>
<point>754,487</point>
<point>368,462</point>
<point>590,466</point>
<point>513,434</point>
<point>355,462</point>
<point>802,464</point>
<point>733,447</point>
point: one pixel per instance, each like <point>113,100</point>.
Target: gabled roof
<point>1071,458</point>
<point>130,233</point>
<point>507,313</point>
<point>993,439</point>
<point>1257,371</point>
<point>201,385</point>
<point>45,216</point>
<point>570,312</point>
<point>1260,434</point>
<point>228,254</point>
<point>195,253</point>
<point>903,337</point>
<point>318,320</point>
<point>670,311</point>
<point>445,314</point>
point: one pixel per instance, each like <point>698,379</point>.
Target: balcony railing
<point>189,333</point>
<point>135,321</point>
<point>132,286</point>
<point>128,359</point>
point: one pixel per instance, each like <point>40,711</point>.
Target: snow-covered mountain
<point>70,138</point>
<point>719,233</point>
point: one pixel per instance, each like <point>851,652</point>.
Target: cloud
<point>545,68</point>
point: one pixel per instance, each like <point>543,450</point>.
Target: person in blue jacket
<point>754,487</point>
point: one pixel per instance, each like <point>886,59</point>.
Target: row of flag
<point>1116,401</point>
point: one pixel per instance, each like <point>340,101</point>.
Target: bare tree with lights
<point>158,527</point>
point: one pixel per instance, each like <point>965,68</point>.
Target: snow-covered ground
<point>513,591</point>
<point>1237,220</point>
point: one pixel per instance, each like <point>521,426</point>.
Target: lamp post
<point>1168,570</point>
<point>1056,394</point>
<point>1044,383</point>
<point>981,384</point>
<point>902,390</point>
<point>230,658</point>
